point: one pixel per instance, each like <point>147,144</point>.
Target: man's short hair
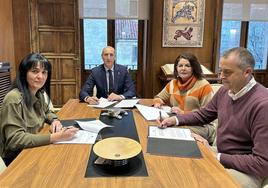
<point>244,56</point>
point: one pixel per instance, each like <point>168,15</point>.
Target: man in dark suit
<point>111,80</point>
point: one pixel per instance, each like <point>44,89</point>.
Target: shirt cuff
<point>85,99</point>
<point>219,156</point>
<point>177,120</point>
<point>123,97</point>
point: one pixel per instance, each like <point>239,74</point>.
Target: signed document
<point>127,103</point>
<point>170,133</point>
<point>151,113</point>
<point>103,103</point>
<point>88,134</point>
<point>172,141</point>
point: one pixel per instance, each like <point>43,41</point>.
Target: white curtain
<point>245,10</point>
<point>114,9</point>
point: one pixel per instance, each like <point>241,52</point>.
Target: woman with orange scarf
<point>189,91</point>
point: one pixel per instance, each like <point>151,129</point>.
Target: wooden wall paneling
<point>46,14</point>
<point>55,69</point>
<point>6,36</point>
<point>139,76</point>
<point>261,77</point>
<point>21,23</point>
<point>217,36</point>
<point>68,92</point>
<point>55,34</point>
<point>66,15</point>
<point>48,42</point>
<point>54,94</point>
<point>67,68</point>
<point>147,73</point>
<point>160,55</point>
<point>67,42</point>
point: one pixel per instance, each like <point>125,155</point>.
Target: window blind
<point>114,9</point>
<point>245,10</point>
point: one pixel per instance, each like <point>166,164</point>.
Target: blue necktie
<point>111,81</point>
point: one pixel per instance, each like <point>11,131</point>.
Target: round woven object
<point>117,148</point>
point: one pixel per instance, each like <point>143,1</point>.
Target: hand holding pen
<point>55,126</point>
<point>66,133</point>
<point>160,116</point>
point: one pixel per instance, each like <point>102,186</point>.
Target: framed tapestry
<point>183,23</point>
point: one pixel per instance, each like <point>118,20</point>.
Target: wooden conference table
<point>65,165</point>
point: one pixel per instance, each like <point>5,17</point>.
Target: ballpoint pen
<point>65,128</point>
<point>160,116</point>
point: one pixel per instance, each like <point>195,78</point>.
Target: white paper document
<point>167,109</point>
<point>127,103</point>
<point>89,133</point>
<point>103,103</point>
<point>170,133</point>
<point>151,113</point>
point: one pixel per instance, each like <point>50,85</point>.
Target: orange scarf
<point>187,85</point>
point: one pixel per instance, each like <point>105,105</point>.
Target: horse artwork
<point>183,22</point>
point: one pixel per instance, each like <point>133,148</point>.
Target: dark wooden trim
<point>84,72</point>
<point>244,33</point>
<point>111,33</point>
<point>217,36</point>
<point>140,78</point>
<point>147,71</point>
<point>21,31</point>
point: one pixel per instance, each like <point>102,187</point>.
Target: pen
<point>65,128</point>
<point>160,115</point>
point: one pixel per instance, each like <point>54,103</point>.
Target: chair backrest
<point>2,165</point>
<point>265,183</point>
<point>216,87</point>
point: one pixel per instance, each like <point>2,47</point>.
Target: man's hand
<point>205,142</point>
<point>167,122</point>
<point>114,97</point>
<point>92,100</point>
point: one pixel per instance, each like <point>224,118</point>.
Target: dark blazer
<point>123,84</point>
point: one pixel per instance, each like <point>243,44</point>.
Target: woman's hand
<point>64,134</point>
<point>167,122</point>
<point>55,126</point>
<point>157,105</point>
<point>176,110</point>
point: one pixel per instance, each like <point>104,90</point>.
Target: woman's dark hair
<point>26,64</point>
<point>197,70</point>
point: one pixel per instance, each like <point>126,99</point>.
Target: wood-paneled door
<point>55,34</point>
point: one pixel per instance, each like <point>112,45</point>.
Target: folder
<point>172,145</point>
